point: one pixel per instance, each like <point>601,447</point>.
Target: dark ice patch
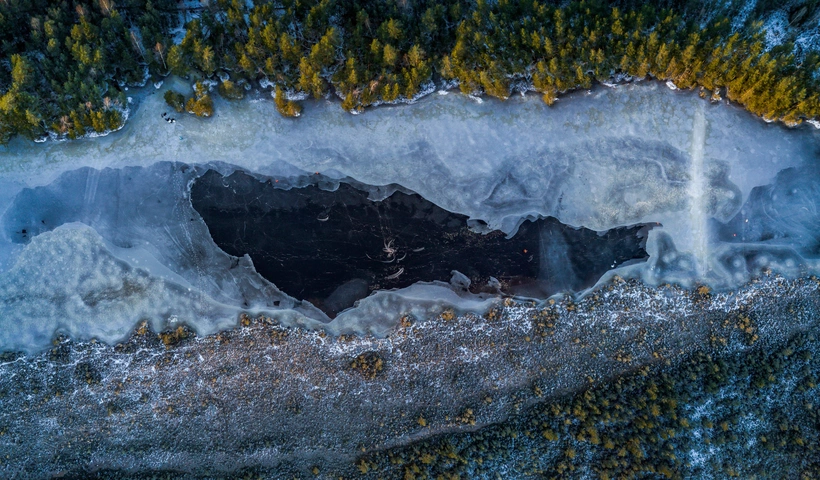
<point>335,247</point>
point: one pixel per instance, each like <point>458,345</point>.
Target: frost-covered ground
<point>267,401</point>
<point>98,234</point>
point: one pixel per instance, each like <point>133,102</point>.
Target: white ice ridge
<point>733,194</point>
<point>699,209</point>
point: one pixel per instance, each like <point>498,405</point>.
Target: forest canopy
<point>65,65</point>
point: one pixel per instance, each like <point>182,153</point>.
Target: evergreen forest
<point>65,65</point>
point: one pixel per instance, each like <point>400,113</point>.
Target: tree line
<point>64,65</point>
<point>68,63</point>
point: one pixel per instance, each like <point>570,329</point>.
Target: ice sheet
<point>67,281</point>
<point>610,157</point>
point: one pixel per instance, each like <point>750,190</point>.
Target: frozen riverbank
<point>639,153</point>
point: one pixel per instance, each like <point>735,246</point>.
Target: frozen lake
<point>98,234</point>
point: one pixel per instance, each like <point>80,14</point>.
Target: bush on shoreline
<point>175,100</point>
<point>287,108</point>
<point>201,103</point>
